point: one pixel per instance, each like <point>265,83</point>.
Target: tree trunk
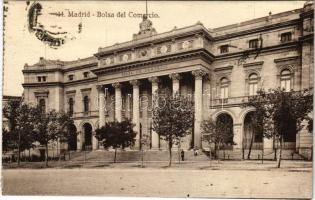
<point>250,146</point>
<point>179,152</point>
<point>280,153</point>
<point>115,155</point>
<point>142,158</point>
<point>29,155</point>
<point>19,149</point>
<point>170,152</point>
<point>210,154</point>
<point>46,157</point>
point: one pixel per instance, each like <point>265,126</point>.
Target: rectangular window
<point>70,77</point>
<point>85,74</point>
<point>44,78</point>
<point>224,49</point>
<point>252,89</point>
<point>286,84</point>
<point>224,92</point>
<point>253,44</point>
<point>39,78</point>
<point>286,37</point>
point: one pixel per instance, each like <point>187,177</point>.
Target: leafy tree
<point>8,142</point>
<point>50,127</point>
<point>217,133</point>
<point>20,126</point>
<point>282,113</point>
<point>173,117</point>
<point>116,135</point>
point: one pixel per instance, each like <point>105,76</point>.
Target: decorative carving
<point>116,85</point>
<point>134,82</point>
<point>199,73</point>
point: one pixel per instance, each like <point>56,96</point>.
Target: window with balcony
<point>224,49</point>
<point>71,104</point>
<point>253,44</point>
<point>86,104</point>
<point>253,84</point>
<point>224,88</point>
<point>286,37</point>
<point>285,80</point>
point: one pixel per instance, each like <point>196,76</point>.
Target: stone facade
<point>218,67</point>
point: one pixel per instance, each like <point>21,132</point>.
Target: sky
<point>22,47</point>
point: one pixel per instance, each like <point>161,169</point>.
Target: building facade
<point>219,68</point>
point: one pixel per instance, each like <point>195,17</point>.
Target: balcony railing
<point>84,114</point>
<point>217,102</point>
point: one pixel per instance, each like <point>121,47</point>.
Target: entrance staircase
<point>135,156</point>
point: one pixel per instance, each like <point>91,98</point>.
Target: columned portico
<point>135,110</point>
<point>118,101</point>
<point>198,107</point>
<point>155,85</point>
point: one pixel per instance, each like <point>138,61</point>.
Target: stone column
<point>94,141</point>
<point>136,110</point>
<point>101,105</point>
<point>237,136</point>
<point>176,90</point>
<point>175,82</point>
<point>155,86</point>
<point>198,107</point>
<point>118,101</point>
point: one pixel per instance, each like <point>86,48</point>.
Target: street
<point>159,182</point>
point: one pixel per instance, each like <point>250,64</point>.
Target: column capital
<point>175,76</point>
<point>154,79</point>
<point>116,85</point>
<point>134,82</point>
<point>100,88</point>
<point>198,73</point>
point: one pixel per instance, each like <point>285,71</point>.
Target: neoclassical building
<point>219,68</point>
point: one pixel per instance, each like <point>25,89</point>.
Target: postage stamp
<point>158,98</point>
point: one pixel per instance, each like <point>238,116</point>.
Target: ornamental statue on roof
<point>146,28</point>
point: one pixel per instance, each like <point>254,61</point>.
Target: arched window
<point>252,83</point>
<point>285,80</point>
<point>224,88</point>
<point>86,103</point>
<point>42,105</point>
<point>71,103</point>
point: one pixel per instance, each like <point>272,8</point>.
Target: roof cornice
<point>199,52</point>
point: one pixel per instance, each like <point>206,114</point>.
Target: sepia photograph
<point>159,99</point>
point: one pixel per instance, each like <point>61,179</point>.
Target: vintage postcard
<point>181,99</point>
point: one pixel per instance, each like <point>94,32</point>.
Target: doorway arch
<point>87,130</point>
<point>224,123</point>
<point>252,138</point>
<point>72,140</point>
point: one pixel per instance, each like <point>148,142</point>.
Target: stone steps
<point>132,156</point>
